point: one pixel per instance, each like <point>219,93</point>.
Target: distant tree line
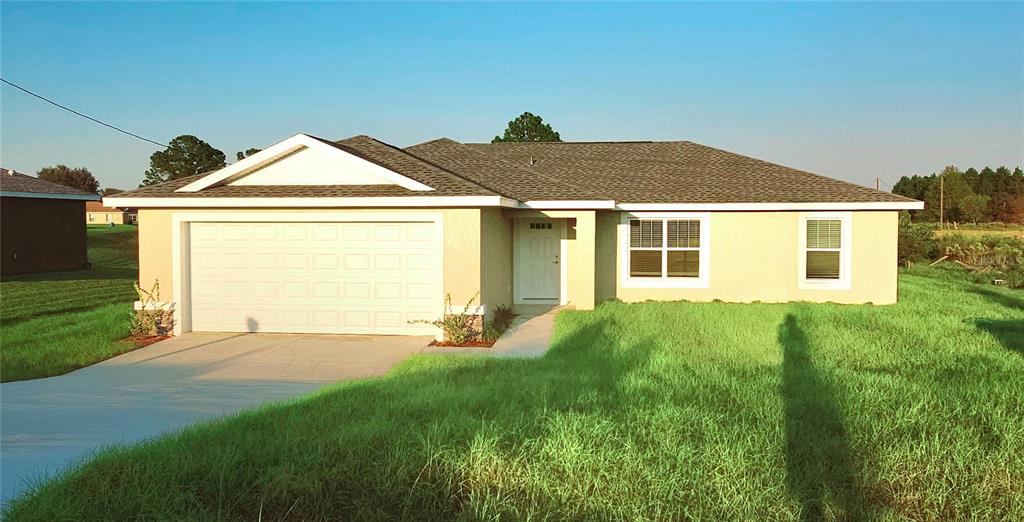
<point>967,196</point>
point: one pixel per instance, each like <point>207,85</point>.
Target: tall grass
<point>639,411</point>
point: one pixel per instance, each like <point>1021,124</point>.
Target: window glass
<point>664,248</point>
<point>823,233</point>
<point>645,233</point>
<point>822,265</point>
<point>824,244</point>
<point>683,234</point>
<point>645,263</point>
<point>683,263</point>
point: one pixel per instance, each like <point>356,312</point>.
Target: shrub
<point>916,240</point>
<point>457,328</point>
<point>152,319</point>
<point>984,252</point>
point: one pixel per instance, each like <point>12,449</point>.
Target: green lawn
<point>645,411</point>
<point>56,322</point>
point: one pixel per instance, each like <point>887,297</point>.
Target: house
<point>41,226</point>
<point>358,236</point>
<point>97,214</point>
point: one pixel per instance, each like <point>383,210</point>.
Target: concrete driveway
<point>47,424</point>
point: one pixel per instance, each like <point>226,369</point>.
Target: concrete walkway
<point>528,337</point>
<point>47,424</point>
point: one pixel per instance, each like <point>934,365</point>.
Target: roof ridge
<point>481,185</point>
<point>509,164</point>
<point>571,142</point>
<point>417,158</point>
<point>442,138</point>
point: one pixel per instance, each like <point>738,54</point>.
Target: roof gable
<point>304,160</point>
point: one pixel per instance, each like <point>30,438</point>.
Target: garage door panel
<point>359,278</point>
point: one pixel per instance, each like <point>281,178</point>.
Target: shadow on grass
<point>96,273</point>
<point>441,437</point>
<point>1008,301</point>
<point>819,470</point>
<point>1008,332</point>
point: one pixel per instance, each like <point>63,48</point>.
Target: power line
<point>69,109</point>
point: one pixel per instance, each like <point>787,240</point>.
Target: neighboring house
<point>41,226</point>
<point>97,214</point>
<point>358,236</point>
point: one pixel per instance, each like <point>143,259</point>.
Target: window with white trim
<point>664,248</point>
<point>825,254</point>
<point>824,249</point>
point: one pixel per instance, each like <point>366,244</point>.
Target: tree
<point>974,208</point>
<point>1007,208</point>
<point>248,152</point>
<point>528,127</point>
<point>78,177</point>
<point>110,191</point>
<point>953,190</point>
<point>185,156</point>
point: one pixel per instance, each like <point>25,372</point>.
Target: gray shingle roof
<point>11,181</point>
<point>627,172</point>
<point>657,172</point>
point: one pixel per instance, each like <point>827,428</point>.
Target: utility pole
<point>876,183</point>
<point>942,201</point>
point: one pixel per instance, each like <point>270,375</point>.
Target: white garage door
<point>360,278</point>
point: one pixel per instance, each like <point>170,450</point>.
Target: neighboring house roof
<point>96,206</point>
<point>604,174</point>
<point>16,184</point>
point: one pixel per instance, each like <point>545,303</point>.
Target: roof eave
<point>764,206</point>
<point>48,195</point>
<point>309,202</point>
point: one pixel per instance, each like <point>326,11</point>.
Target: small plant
<point>503,317</point>
<point>457,328</point>
<point>491,333</point>
<point>151,317</point>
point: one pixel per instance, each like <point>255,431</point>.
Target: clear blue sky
<point>852,91</point>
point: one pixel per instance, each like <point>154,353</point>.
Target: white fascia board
<point>739,207</point>
<point>289,146</point>
<point>599,204</point>
<point>44,195</point>
<point>286,202</point>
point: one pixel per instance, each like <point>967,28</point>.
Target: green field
<point>640,411</point>
<point>56,322</point>
<point>986,229</point>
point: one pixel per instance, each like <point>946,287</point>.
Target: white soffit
<point>304,160</point>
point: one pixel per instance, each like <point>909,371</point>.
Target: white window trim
<point>703,280</point>
<point>845,252</point>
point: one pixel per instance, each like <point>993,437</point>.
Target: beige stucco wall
<point>495,259</point>
<point>754,257</point>
<point>103,218</point>
<point>463,244</point>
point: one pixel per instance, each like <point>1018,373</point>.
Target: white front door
<point>538,261</point>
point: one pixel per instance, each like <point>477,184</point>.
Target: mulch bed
<point>139,342</point>
<point>470,344</point>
